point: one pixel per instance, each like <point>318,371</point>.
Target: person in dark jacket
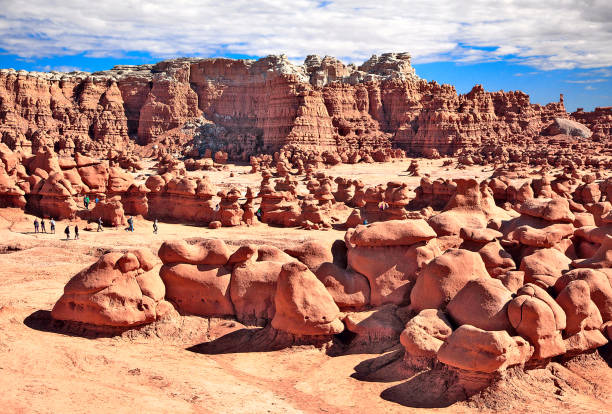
<point>76,232</point>
<point>36,224</point>
<point>67,232</point>
<point>43,227</point>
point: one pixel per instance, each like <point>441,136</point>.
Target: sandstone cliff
<point>247,106</point>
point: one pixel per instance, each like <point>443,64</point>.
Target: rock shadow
<point>388,367</point>
<point>41,320</point>
<point>255,339</point>
<point>434,388</point>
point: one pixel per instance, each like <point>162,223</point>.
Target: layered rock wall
<point>259,106</point>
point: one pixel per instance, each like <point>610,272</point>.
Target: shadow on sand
<point>41,320</point>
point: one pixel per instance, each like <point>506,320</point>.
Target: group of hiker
<point>40,227</point>
<point>86,201</point>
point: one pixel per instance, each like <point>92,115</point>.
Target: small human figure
<point>52,225</point>
<point>86,202</point>
<point>76,232</point>
<point>365,222</point>
<point>131,224</point>
<point>258,214</point>
<point>43,227</point>
<point>100,224</point>
<point>155,227</point>
<point>217,207</point>
<point>36,224</point>
<point>97,200</point>
<point>67,232</point>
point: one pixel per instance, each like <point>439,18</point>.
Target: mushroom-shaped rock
<point>474,349</point>
<point>582,331</point>
<point>544,267</point>
<point>252,290</point>
<point>198,289</point>
<point>209,252</point>
<point>425,333</point>
<point>482,303</point>
<point>443,277</point>
<point>303,305</point>
<point>600,288</point>
<point>393,233</point>
<point>118,290</point>
<point>536,316</point>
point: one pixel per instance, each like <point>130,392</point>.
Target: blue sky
<point>543,48</point>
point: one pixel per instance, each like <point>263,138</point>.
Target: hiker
<point>36,224</point>
<point>100,224</point>
<point>131,223</point>
<point>86,202</point>
<point>67,232</point>
<point>76,232</point>
<point>52,225</point>
<point>365,222</point>
<point>155,227</point>
<point>43,227</point>
<point>258,214</point>
<point>97,200</point>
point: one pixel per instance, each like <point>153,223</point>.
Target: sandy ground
<point>47,368</point>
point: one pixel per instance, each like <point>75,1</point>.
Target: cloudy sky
<point>543,47</point>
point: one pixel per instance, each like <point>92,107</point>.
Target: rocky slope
<point>247,107</point>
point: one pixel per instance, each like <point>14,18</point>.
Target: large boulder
<point>303,306</point>
<point>600,288</point>
<point>198,289</point>
<point>443,277</point>
<point>544,267</point>
<point>602,258</point>
<point>252,290</point>
<point>350,290</point>
<point>119,290</point>
<point>375,325</point>
<point>482,303</point>
<point>208,252</point>
<point>473,349</point>
<point>582,331</point>
<point>312,253</point>
<point>552,210</point>
<point>391,271</point>
<point>392,233</point>
<point>567,127</point>
<point>424,334</point>
<point>535,315</point>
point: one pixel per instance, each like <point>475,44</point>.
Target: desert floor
<point>193,365</point>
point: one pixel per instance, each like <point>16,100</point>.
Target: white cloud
<point>546,34</point>
<point>586,81</point>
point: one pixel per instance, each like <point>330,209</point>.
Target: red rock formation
<point>244,107</point>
